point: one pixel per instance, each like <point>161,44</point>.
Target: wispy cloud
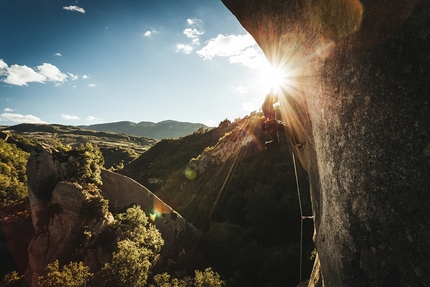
<point>93,119</point>
<point>249,106</point>
<point>184,48</point>
<point>237,48</point>
<point>193,32</point>
<point>18,118</point>
<point>85,77</point>
<point>149,33</point>
<point>69,117</point>
<point>241,90</point>
<point>74,8</point>
<point>21,75</point>
<point>73,77</point>
<point>92,85</point>
<point>58,54</point>
<point>8,110</point>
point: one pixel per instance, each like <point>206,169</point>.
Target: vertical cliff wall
<point>357,91</point>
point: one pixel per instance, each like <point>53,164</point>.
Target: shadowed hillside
<point>243,197</point>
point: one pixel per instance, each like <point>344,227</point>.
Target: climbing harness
<point>301,217</point>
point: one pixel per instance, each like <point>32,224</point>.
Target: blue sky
<point>91,61</point>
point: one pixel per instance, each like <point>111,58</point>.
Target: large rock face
<point>358,94</point>
<point>61,221</point>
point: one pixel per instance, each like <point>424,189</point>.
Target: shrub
<point>73,274</point>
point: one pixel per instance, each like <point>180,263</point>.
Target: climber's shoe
<point>271,144</point>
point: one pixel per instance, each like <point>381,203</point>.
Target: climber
<point>271,124</point>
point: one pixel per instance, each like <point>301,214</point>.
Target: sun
<point>274,78</point>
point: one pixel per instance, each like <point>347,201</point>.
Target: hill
<point>117,148</point>
<point>242,197</point>
<point>160,130</point>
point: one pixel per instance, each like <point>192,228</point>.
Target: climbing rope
<point>301,217</point>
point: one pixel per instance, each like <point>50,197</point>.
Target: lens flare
<point>190,173</point>
<point>154,215</point>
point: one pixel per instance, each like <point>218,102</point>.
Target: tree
<point>207,278</point>
<point>13,179</point>
<point>73,274</point>
<point>137,249</point>
<point>129,267</point>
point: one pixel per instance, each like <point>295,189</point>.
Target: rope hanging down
<point>301,217</point>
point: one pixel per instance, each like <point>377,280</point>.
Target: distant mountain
<point>117,148</point>
<point>160,130</point>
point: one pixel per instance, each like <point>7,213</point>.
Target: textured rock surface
<point>59,220</point>
<point>360,99</point>
<point>122,192</point>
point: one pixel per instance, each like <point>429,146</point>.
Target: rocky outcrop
<point>228,146</point>
<point>63,228</point>
<point>358,94</point>
<point>122,192</point>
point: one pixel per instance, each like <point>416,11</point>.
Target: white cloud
<point>241,90</point>
<point>58,54</point>
<point>195,22</point>
<point>184,48</point>
<point>21,118</point>
<point>21,75</point>
<point>93,119</point>
<point>85,77</point>
<point>92,85</point>
<point>74,8</point>
<point>3,67</point>
<point>237,48</point>
<point>69,117</point>
<point>249,106</point>
<point>73,77</point>
<point>150,33</point>
<point>192,32</point>
<point>51,72</point>
<point>8,110</point>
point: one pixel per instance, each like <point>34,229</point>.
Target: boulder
<point>60,221</point>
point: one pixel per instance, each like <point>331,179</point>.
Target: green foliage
<point>255,226</point>
<point>138,245</point>
<point>129,267</point>
<point>165,280</point>
<point>207,278</point>
<point>115,157</point>
<point>94,206</point>
<point>89,161</point>
<point>11,279</point>
<point>134,225</point>
<point>171,155</point>
<point>73,274</point>
<point>13,179</point>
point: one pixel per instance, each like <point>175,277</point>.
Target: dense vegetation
<point>117,149</point>
<point>13,179</point>
<point>246,208</point>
